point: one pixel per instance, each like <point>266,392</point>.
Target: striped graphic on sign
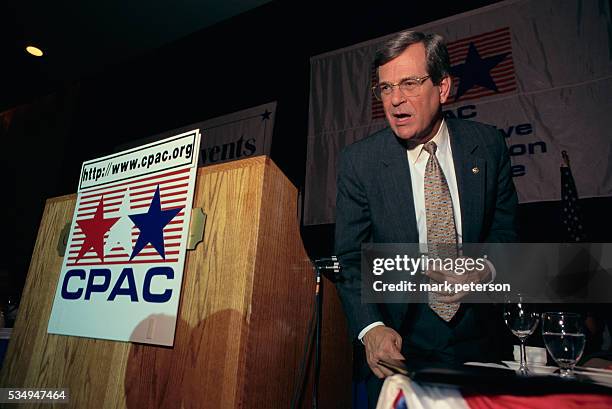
<point>482,65</point>
<point>378,111</point>
<point>120,201</point>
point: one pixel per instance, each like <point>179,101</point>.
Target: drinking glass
<point>564,338</point>
<point>522,319</point>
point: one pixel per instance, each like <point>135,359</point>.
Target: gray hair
<point>438,62</point>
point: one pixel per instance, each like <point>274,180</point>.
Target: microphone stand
<point>329,267</point>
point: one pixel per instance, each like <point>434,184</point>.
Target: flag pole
<point>566,160</point>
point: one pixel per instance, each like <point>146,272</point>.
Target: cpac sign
<point>84,285</point>
<point>126,249</point>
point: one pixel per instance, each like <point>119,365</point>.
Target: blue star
<point>476,71</point>
<point>151,225</point>
<point>266,115</point>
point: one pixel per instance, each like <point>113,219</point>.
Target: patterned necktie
<point>441,231</point>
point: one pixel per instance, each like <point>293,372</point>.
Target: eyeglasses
<point>409,87</point>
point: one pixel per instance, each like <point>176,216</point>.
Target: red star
<point>94,230</point>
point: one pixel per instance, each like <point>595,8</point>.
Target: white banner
<point>123,268</point>
<point>235,136</point>
<point>238,135</point>
<point>539,70</point>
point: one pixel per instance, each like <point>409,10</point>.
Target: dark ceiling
<point>81,38</point>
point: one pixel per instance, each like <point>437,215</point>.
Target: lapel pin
<point>475,170</point>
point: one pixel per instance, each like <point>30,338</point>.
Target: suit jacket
<point>375,204</point>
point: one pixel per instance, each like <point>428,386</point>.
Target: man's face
<point>414,118</point>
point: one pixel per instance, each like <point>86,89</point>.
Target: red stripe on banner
<point>140,206</point>
<point>489,44</point>
<point>136,232</point>
<point>491,34</point>
<point>376,105</point>
<point>125,255</point>
<point>484,53</point>
<point>80,216</point>
<point>150,192</point>
<point>503,70</point>
<point>97,199</point>
<point>161,189</point>
<point>481,45</point>
<point>504,80</point>
<point>148,246</point>
<point>123,262</point>
<point>172,237</point>
<point>136,192</point>
<point>77,237</point>
<point>163,182</point>
<point>77,247</point>
<point>79,234</point>
<point>148,200</point>
<point>97,195</point>
<point>147,251</point>
<point>106,206</point>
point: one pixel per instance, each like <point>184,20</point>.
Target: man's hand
<point>382,343</point>
<point>466,276</point>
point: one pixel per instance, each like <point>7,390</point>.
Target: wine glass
<point>522,319</point>
<point>564,338</point>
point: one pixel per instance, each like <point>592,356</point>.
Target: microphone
<point>329,266</point>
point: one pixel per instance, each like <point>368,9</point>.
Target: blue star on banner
<point>266,115</point>
<point>476,71</point>
<point>151,225</point>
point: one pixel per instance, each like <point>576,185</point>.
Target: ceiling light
<point>35,51</point>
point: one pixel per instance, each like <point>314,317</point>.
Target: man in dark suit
<point>421,180</point>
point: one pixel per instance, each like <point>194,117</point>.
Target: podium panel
<point>247,298</point>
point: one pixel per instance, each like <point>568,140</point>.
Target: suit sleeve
<point>353,227</point>
<point>503,226</point>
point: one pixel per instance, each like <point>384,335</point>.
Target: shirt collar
<point>441,139</point>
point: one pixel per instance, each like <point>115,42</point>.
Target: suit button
<point>475,170</point>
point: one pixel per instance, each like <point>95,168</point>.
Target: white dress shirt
<point>417,159</point>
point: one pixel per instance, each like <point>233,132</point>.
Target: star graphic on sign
<point>94,230</point>
<point>266,115</point>
<point>151,225</point>
<point>121,233</point>
<point>476,71</point>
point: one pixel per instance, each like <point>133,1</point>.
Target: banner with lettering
<point>539,70</point>
<point>235,136</point>
<point>123,268</point>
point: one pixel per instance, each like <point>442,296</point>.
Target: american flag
<point>137,194</point>
<point>571,214</point>
<point>489,46</point>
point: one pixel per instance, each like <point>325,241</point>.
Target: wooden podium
<point>246,301</point>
